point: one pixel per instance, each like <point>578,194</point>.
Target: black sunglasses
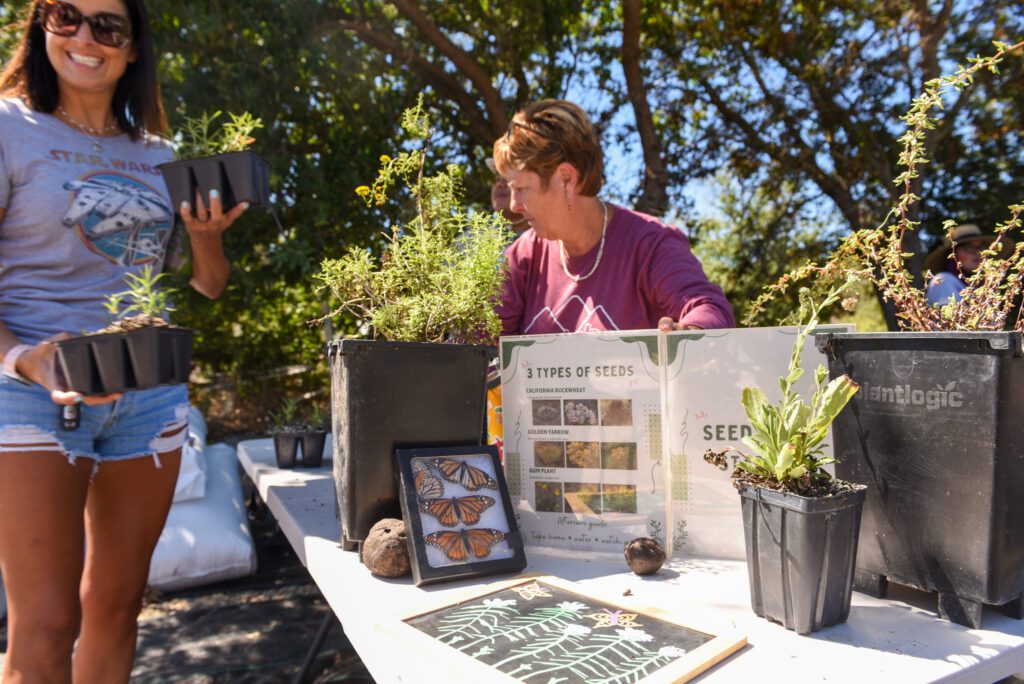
<point>64,19</point>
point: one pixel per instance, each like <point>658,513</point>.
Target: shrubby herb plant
<point>439,276</point>
<point>787,440</point>
<point>286,416</point>
<point>876,255</point>
<point>143,303</point>
<point>199,138</point>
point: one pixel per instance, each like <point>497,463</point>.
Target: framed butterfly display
<point>458,513</point>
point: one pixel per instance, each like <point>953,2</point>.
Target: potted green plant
<point>286,432</point>
<point>934,432</point>
<point>218,159</point>
<point>428,302</point>
<point>800,524</point>
<point>314,437</point>
<point>138,350</point>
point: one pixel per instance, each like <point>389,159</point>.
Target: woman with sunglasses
<point>585,264</point>
<point>82,203</point>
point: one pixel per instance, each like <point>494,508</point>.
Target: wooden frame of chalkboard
<point>542,628</point>
<point>458,513</point>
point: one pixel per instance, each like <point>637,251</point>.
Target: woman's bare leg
<point>125,514</point>
<point>42,498</point>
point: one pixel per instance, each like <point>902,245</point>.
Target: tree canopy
<point>764,128</point>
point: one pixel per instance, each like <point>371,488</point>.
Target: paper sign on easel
<point>605,434</point>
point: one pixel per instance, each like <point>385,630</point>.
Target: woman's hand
<point>210,268</point>
<point>666,324</point>
<point>39,364</point>
<point>210,223</point>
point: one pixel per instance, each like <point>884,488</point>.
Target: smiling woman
<point>586,265</point>
<point>85,482</point>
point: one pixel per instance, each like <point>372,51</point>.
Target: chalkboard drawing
<point>459,471</point>
<point>450,512</point>
<point>457,544</point>
<point>532,591</point>
<point>500,619</point>
<point>562,635</point>
<point>612,618</point>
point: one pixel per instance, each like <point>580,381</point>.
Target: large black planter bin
<point>800,555</point>
<point>238,177</point>
<point>393,395</point>
<point>937,433</point>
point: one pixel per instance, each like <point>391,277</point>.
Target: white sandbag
<point>192,475</point>
<point>196,428</point>
<point>191,483</point>
<point>206,540</point>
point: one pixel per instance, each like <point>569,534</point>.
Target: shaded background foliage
<point>767,129</point>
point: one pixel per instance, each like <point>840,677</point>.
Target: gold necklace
<point>600,250</point>
<point>93,133</point>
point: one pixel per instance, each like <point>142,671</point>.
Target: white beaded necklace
<point>600,250</point>
<point>93,133</point>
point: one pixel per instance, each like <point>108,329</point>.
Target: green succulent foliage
<point>199,137</point>
<point>787,439</point>
<point>144,295</point>
<point>438,277</point>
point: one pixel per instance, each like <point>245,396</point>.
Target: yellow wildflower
<point>363,190</point>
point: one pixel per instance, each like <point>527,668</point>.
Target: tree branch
<point>480,127</point>
<point>462,61</point>
<point>654,193</point>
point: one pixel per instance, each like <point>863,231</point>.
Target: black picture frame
<point>441,481</point>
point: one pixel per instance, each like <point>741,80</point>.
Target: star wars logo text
<point>905,395</point>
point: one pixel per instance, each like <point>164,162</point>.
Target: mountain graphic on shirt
<point>574,315</point>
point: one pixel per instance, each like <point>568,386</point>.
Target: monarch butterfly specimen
<point>450,511</point>
<point>457,544</point>
<point>459,471</point>
<point>428,486</point>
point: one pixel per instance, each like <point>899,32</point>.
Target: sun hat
<point>965,232</point>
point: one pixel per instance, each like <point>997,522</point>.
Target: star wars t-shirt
<point>80,212</point>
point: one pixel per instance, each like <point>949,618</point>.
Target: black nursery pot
<point>238,177</point>
<point>800,555</point>
<point>117,362</point>
<point>936,433</point>
<point>286,446</point>
<point>392,395</point>
<point>313,442</point>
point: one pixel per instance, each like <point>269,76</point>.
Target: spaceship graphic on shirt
<point>122,219</point>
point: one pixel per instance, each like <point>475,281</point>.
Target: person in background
<point>955,259</point>
<point>501,200</point>
<point>82,204</point>
<point>585,264</point>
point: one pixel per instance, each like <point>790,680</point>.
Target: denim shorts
<point>139,424</point>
